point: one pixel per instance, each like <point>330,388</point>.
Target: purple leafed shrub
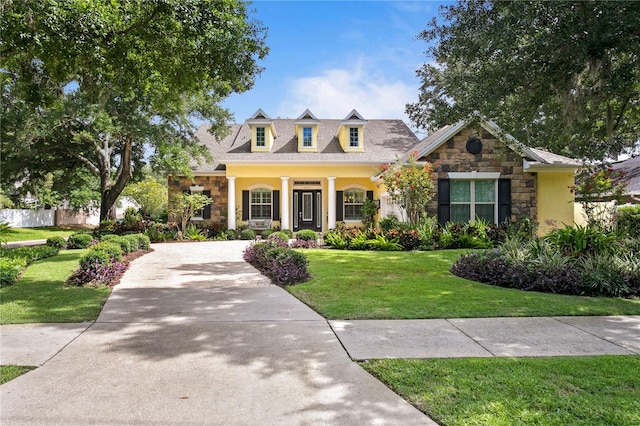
<point>492,268</point>
<point>277,261</point>
<point>97,273</point>
<point>304,244</point>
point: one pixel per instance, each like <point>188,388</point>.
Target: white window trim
<point>472,177</point>
<point>251,203</point>
<point>352,188</point>
<point>357,137</point>
<point>197,189</point>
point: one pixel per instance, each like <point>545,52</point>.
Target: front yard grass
<point>412,285</point>
<point>10,372</point>
<point>603,390</point>
<point>37,233</point>
<point>41,295</point>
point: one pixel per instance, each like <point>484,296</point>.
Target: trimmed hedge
<point>79,241</point>
<point>57,242</point>
<point>10,270</point>
<point>14,260</point>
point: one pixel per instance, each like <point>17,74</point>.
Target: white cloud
<point>333,93</point>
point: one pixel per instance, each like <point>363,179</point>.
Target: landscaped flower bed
<point>275,259</point>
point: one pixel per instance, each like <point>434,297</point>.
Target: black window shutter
<point>370,195</point>
<point>206,212</point>
<point>339,206</point>
<point>444,201</point>
<point>504,200</point>
<point>275,212</point>
<point>245,205</point>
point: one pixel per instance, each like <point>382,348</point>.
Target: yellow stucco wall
<point>269,176</point>
<point>555,200</point>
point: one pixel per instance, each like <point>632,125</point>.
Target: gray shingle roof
<point>384,141</point>
<point>631,169</point>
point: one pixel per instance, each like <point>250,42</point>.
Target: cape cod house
<point>311,173</point>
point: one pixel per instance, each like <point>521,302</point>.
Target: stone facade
<point>219,193</point>
<point>452,156</point>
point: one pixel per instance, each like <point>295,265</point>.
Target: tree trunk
<point>111,191</point>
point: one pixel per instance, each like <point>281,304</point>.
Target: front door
<point>307,209</point>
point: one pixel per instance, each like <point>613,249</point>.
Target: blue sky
<point>334,56</point>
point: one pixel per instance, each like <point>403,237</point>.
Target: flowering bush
<point>410,187</point>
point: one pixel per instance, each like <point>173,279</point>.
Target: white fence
<point>24,218</point>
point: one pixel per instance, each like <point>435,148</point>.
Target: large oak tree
<point>564,75</point>
<point>94,85</point>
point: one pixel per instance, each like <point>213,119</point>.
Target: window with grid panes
<point>473,198</point>
<point>353,200</point>
<point>260,204</point>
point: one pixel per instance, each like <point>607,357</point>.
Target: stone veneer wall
<point>219,193</point>
<point>494,157</point>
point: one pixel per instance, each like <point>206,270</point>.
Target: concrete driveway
<point>194,335</point>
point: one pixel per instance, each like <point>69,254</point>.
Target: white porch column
<point>231,202</point>
<point>284,210</point>
<point>331,205</point>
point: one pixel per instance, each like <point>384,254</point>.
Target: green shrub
<point>288,233</point>
<point>10,270</point>
<point>380,242</point>
<point>265,234</point>
<point>307,235</point>
<point>247,234</point>
<point>388,223</point>
<point>29,253</point>
<point>120,240</point>
<point>232,234</point>
<point>282,235</point>
<point>580,240</point>
<point>79,241</point>
<point>143,241</point>
<point>95,257</point>
<point>57,242</point>
<point>334,239</point>
<point>358,240</point>
<point>134,243</point>
<point>112,248</point>
<point>628,221</point>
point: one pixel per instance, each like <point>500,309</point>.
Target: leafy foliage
<point>149,194</point>
<point>599,191</point>
<point>410,186</point>
<point>57,242</point>
<point>277,261</point>
<point>247,234</point>
<point>79,241</point>
<point>10,270</point>
<point>307,235</point>
<point>575,261</point>
<point>562,74</point>
<point>102,87</point>
<point>183,207</point>
<point>628,220</point>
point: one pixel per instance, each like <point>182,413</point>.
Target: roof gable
<point>533,157</point>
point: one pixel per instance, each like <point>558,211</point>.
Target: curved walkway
<point>194,335</point>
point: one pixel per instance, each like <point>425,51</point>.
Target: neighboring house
<point>631,175</point>
<point>310,173</point>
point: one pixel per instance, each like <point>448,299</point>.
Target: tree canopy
<point>89,85</point>
<point>562,75</point>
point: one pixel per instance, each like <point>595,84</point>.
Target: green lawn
<point>39,233</point>
<point>10,372</point>
<point>41,295</point>
<point>588,391</point>
<point>394,285</point>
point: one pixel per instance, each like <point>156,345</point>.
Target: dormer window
<point>260,140</point>
<point>307,138</point>
<point>263,132</point>
<point>353,137</point>
<point>351,132</point>
<point>307,126</point>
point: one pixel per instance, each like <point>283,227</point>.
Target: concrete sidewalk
<point>181,341</point>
